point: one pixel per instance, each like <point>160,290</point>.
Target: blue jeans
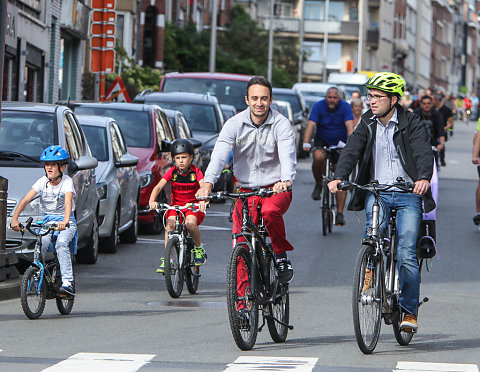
<point>409,216</point>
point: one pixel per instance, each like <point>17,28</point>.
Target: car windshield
<point>292,98</point>
<point>200,117</point>
<point>97,141</point>
<point>131,122</point>
<point>27,133</point>
<point>230,92</point>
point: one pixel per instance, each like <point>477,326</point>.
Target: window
<point>315,10</point>
<point>183,126</point>
<point>116,145</point>
<point>77,133</point>
<point>70,139</point>
<point>314,53</point>
<point>97,141</point>
<point>283,10</point>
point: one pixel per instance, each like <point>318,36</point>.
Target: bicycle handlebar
<point>262,192</point>
<point>375,187</point>
<point>194,207</point>
<point>45,228</point>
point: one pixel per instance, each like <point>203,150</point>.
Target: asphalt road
<point>124,313</point>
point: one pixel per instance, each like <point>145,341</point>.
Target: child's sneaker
<point>67,288</point>
<point>200,257</point>
<point>161,268</point>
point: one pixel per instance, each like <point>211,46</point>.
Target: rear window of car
<point>28,133</point>
<point>97,141</point>
<point>231,92</point>
<point>201,118</point>
<point>292,98</point>
<point>131,123</point>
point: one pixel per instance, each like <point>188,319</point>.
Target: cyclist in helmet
<point>56,199</point>
<point>388,143</point>
<point>185,179</point>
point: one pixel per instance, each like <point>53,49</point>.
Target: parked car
<point>26,130</point>
<point>118,182</point>
<point>182,130</point>
<point>285,109</point>
<point>229,89</point>
<point>202,111</point>
<point>300,113</point>
<point>312,89</point>
<point>148,135</point>
<point>228,111</point>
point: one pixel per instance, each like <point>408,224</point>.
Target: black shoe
<point>442,163</point>
<point>317,192</point>
<point>476,219</point>
<point>285,270</point>
<point>67,289</point>
<point>339,220</point>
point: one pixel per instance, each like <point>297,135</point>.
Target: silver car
<point>27,129</point>
<point>118,182</point>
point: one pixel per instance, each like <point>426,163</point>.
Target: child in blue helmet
<point>56,199</point>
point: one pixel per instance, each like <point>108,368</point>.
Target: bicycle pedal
<point>409,330</point>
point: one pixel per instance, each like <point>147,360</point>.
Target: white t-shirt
<point>52,198</point>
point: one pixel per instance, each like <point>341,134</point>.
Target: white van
<point>312,89</point>
<point>349,81</point>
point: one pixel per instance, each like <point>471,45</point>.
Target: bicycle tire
<point>174,275</point>
<point>279,309</point>
<point>330,220</point>
<point>243,308</point>
<point>192,273</point>
<point>32,299</point>
<point>325,210</point>
<point>367,305</point>
<point>403,338</point>
<point>325,216</point>
<point>64,302</point>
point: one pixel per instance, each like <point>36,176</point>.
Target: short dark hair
<point>259,80</point>
<point>425,97</point>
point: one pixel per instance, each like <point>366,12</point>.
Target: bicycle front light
<point>146,179</point>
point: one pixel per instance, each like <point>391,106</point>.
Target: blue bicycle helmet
<point>55,153</point>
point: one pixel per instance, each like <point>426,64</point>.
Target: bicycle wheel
<point>174,274</point>
<point>325,210</point>
<point>241,303</point>
<point>192,273</point>
<point>279,309</point>
<point>33,293</point>
<point>64,302</point>
<point>403,338</point>
<point>367,301</point>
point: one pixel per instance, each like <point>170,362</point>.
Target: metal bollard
<point>8,259</point>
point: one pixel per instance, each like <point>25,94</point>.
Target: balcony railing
<point>281,24</point>
<point>374,3</point>
<point>372,38</point>
<point>292,25</point>
<point>312,68</point>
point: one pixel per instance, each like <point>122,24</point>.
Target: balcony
<point>282,24</point>
<point>346,28</point>
<point>372,38</point>
<point>312,68</point>
<point>374,3</point>
<point>75,18</point>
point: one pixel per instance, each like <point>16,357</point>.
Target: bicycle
<point>328,199</point>
<point>260,290</point>
<point>42,280</point>
<point>180,265</point>
<point>379,299</point>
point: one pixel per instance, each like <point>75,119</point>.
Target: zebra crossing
<point>113,362</point>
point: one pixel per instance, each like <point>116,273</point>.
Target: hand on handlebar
<point>62,225</point>
<point>152,205</point>
<point>307,146</point>
<point>15,224</point>
<point>421,187</point>
<point>281,187</point>
<point>333,186</point>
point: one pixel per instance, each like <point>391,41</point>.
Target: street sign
<point>96,64</point>
<point>103,29</point>
<point>104,16</point>
<point>103,4</point>
<point>117,92</point>
<point>102,42</point>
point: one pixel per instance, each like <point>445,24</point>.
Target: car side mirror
<point>82,163</point>
<point>196,143</point>
<point>127,160</point>
<point>165,146</point>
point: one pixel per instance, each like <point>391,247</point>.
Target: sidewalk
<point>10,289</point>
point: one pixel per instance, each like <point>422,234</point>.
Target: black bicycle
<point>328,199</point>
<point>252,279</point>
<point>375,281</point>
<point>179,264</point>
<point>42,280</point>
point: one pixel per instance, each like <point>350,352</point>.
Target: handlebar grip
<point>344,185</point>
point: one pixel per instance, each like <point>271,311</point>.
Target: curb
<point>10,289</point>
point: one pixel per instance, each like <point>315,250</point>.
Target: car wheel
<point>89,254</point>
<point>130,235</point>
<point>109,245</point>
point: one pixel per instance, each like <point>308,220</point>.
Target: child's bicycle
<point>42,280</point>
<point>179,260</point>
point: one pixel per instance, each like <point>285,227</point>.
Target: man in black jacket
<point>388,143</point>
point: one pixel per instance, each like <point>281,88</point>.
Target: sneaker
<point>200,257</point>
<point>409,323</point>
<point>368,280</point>
<point>285,270</point>
<point>67,289</point>
<point>476,219</point>
<point>339,220</point>
<point>161,268</point>
<point>442,163</point>
<point>317,192</point>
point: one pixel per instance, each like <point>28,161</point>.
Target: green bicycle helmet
<point>386,82</point>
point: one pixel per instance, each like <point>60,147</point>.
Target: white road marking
<point>435,367</point>
<point>256,363</point>
<point>101,362</point>
<point>144,240</point>
<point>205,227</point>
<point>217,214</point>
